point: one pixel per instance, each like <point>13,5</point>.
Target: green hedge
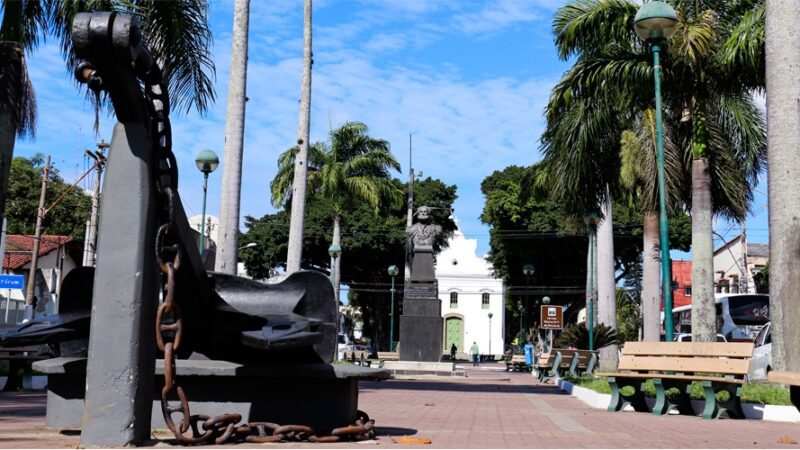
<point>764,393</point>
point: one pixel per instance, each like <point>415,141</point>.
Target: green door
<point>454,331</point>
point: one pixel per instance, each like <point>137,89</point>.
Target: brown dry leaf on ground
<point>408,440</point>
<point>430,404</point>
<point>786,439</point>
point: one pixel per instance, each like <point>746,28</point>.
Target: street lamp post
<point>528,270</point>
<point>335,250</point>
<point>490,333</point>
<point>393,271</point>
<point>207,162</point>
<point>656,22</point>
<point>546,301</point>
<point>591,219</point>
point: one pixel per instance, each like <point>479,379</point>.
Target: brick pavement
<point>488,409</point>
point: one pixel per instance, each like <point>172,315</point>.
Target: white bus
<point>739,316</point>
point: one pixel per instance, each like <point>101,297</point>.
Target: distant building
<point>58,255</point>
<point>736,263</point>
<point>681,283</point>
<point>469,292</point>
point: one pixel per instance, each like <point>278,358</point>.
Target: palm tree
<point>230,195</point>
<point>354,167</point>
<point>783,71</point>
<point>176,32</point>
<point>708,85</point>
<point>296,224</point>
<point>638,179</point>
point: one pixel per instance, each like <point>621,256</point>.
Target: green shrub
<point>577,336</point>
<point>768,394</point>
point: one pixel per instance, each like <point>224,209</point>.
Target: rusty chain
<point>195,429</point>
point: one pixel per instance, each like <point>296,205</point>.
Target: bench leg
<point>619,400</point>
<point>682,402</point>
<point>794,395</point>
<point>16,376</point>
<point>715,408</point>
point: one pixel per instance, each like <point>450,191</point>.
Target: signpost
<point>552,319</point>
<point>11,281</point>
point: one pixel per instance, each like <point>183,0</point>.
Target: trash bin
<point>529,354</point>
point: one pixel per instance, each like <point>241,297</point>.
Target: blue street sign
<point>11,281</point>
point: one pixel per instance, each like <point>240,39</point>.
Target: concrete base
<point>318,395</point>
<point>420,338</point>
<point>422,368</point>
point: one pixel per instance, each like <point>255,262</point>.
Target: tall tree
<point>301,159</point>
<point>783,117</point>
<point>230,197</point>
<point>67,218</point>
<point>638,175</point>
<point>177,32</point>
<point>353,167</point>
<point>707,80</point>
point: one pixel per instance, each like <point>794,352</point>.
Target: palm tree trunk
<point>234,142</point>
<point>704,327</point>
<point>783,137</point>
<point>336,274</point>
<point>295,251</point>
<point>651,296</point>
<point>11,74</point>
<point>606,283</point>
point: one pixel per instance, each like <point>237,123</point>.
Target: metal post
<point>203,220</point>
<point>391,320</point>
<point>37,237</point>
<point>590,298</point>
<point>333,279</point>
<point>666,269</point>
<point>490,335</point>
<point>91,235</point>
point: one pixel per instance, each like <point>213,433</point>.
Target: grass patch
<point>767,394</point>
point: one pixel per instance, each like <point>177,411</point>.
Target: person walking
<point>475,352</point>
<point>453,350</point>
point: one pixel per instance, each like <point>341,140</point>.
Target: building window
<point>485,300</point>
<point>453,300</point>
<point>687,291</point>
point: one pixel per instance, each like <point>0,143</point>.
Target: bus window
<point>749,309</point>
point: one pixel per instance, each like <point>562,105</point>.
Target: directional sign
<point>11,281</point>
<point>552,317</point>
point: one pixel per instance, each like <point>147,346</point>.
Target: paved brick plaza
<point>489,409</point>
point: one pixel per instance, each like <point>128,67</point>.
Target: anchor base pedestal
<point>321,396</point>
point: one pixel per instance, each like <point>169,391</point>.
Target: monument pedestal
<point>421,322</point>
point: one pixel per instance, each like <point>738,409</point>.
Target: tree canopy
<point>67,218</point>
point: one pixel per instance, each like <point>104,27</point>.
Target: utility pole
<point>30,301</point>
<point>91,238</point>
<point>410,218</point>
<point>744,279</point>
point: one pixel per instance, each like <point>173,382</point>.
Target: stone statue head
<point>423,213</point>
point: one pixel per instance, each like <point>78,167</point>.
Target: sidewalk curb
<point>753,411</point>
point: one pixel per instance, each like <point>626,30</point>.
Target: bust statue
<point>422,233</point>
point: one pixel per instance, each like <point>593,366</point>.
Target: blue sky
<point>468,79</point>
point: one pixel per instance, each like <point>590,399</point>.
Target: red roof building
<point>681,283</point>
<point>19,249</point>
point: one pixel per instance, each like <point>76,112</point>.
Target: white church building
<point>472,299</point>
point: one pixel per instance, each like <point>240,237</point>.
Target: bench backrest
<point>518,358</point>
<point>583,356</point>
<point>388,355</point>
<point>546,359</point>
<point>728,358</point>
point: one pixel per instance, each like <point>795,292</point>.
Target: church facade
<point>471,298</point>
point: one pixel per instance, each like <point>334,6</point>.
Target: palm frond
<point>576,25</point>
<point>743,52</point>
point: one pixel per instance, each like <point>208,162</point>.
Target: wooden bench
<point>389,356</point>
<point>580,361</point>
<point>791,379</point>
<point>553,364</point>
<point>718,366</point>
<point>20,360</point>
<point>517,363</point>
<point>358,357</point>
